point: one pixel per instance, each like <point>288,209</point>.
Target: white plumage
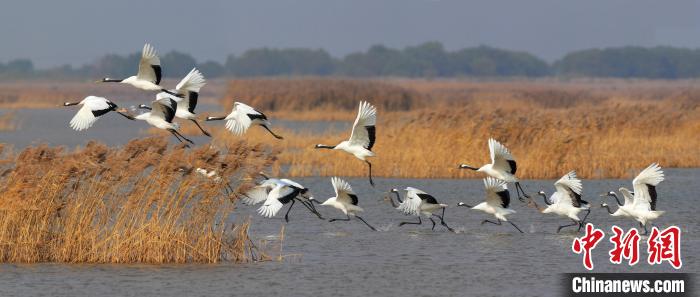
<point>641,205</point>
<point>149,75</point>
<point>497,201</point>
<point>189,86</point>
<point>161,114</point>
<point>277,192</point>
<point>362,137</point>
<point>273,202</point>
<point>566,201</point>
<point>503,166</point>
<point>92,108</point>
<point>243,116</point>
<point>419,203</point>
<point>345,200</point>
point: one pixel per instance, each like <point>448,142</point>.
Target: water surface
<point>347,259</point>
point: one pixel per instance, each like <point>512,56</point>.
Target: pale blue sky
<point>79,31</point>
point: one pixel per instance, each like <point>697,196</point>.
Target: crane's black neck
<point>465,166</point>
<point>323,146</point>
<point>112,80</point>
<point>398,197</point>
<point>544,197</point>
<point>608,208</point>
<point>215,118</point>
<point>616,199</point>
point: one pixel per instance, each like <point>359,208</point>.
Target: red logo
<point>626,247</point>
<point>661,245</point>
<point>665,246</point>
<point>587,243</point>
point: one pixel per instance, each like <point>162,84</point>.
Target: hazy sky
<point>79,31</point>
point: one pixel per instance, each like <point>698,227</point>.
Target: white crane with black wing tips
<point>503,166</point>
<point>362,137</point>
<point>161,116</point>
<point>497,202</point>
<point>149,75</point>
<point>645,195</point>
<point>243,116</point>
<point>566,201</point>
<point>345,200</point>
<point>419,203</point>
<point>262,192</point>
<point>93,107</point>
<point>189,86</point>
<point>640,204</point>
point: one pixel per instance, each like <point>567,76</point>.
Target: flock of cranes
<point>274,193</point>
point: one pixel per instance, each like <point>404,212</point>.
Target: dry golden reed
<point>604,129</point>
<point>53,93</point>
<point>8,121</point>
<point>143,203</point>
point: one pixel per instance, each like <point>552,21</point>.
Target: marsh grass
<point>8,121</point>
<point>601,129</point>
<point>143,203</point>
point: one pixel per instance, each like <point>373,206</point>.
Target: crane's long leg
<point>368,225</point>
<point>569,225</point>
<point>200,127</point>
<point>583,222</point>
<point>442,220</point>
<point>183,137</point>
<point>175,134</point>
<point>411,223</point>
<point>273,133</point>
<point>311,208</point>
<point>646,231</point>
<point>487,221</point>
<point>371,182</point>
<point>516,227</point>
<point>520,188</point>
<point>432,221</point>
<point>286,216</point>
<point>347,219</point>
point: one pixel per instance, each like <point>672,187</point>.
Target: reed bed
<point>602,130</point>
<point>143,203</point>
<point>52,94</point>
<point>8,121</point>
<point>319,98</point>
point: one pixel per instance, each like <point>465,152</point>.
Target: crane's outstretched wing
<point>364,130</point>
<point>569,188</point>
<point>272,204</point>
<point>241,117</point>
<point>92,108</point>
<point>411,205</point>
<point>497,194</point>
<point>501,157</point>
<point>164,108</point>
<point>149,66</point>
<point>259,193</point>
<point>343,191</point>
<point>189,86</point>
<point>645,186</point>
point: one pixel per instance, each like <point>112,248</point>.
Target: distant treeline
<point>426,60</point>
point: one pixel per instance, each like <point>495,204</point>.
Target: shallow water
<point>51,126</point>
<point>347,259</point>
